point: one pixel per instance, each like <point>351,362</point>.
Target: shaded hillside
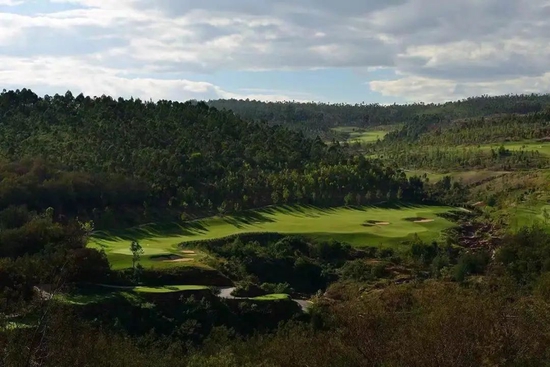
<point>186,156</point>
<point>318,118</point>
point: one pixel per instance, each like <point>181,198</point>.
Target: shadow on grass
<point>247,218</point>
<point>169,229</point>
<point>238,220</point>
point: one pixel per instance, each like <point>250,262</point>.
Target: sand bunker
<point>188,252</point>
<point>182,260</point>
<point>172,258</point>
<point>371,223</point>
<point>419,220</point>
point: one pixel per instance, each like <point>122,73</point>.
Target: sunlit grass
<point>344,224</point>
<point>272,297</point>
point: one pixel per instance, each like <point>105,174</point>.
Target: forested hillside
<point>318,118</point>
<point>96,156</point>
<point>500,142</point>
<point>180,234</point>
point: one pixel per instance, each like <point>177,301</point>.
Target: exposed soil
<point>371,223</point>
<point>182,260</point>
<point>170,258</point>
<point>419,220</point>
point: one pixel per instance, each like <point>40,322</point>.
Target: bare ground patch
<point>171,258</point>
<point>182,260</point>
<point>371,223</point>
<point>419,220</point>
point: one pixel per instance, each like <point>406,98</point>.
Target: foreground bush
<point>433,325</point>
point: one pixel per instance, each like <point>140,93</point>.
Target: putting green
<point>365,226</point>
<point>170,289</point>
<point>272,297</point>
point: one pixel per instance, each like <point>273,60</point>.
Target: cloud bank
<point>163,49</point>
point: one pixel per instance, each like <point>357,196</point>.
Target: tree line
<point>97,156</point>
<point>317,118</point>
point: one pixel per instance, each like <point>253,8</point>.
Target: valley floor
<point>358,226</point>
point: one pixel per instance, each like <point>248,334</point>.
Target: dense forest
<point>317,118</point>
<point>96,156</point>
<point>481,143</point>
<point>496,129</point>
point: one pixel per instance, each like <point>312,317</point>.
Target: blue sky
<point>351,51</point>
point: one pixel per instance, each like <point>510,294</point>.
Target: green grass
<point>14,325</point>
<point>542,147</point>
<point>527,215</point>
<point>468,177</point>
<point>357,134</point>
<point>432,176</point>
<point>99,294</point>
<point>84,299</point>
<point>272,297</point>
<point>170,289</point>
<point>344,224</point>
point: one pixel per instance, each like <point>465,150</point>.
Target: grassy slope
<point>272,297</point>
<point>523,196</point>
<point>468,177</point>
<point>542,147</point>
<point>169,289</point>
<point>99,294</point>
<point>361,135</point>
<point>344,224</point>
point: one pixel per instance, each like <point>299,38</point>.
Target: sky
<point>338,51</point>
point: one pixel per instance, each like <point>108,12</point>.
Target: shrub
<point>277,288</point>
<point>470,263</point>
<point>385,253</point>
<point>357,270</point>
<point>379,271</point>
<point>247,289</point>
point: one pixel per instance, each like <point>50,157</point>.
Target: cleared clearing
<point>530,145</point>
<point>468,177</point>
<point>525,215</point>
<point>357,134</point>
<point>390,228</point>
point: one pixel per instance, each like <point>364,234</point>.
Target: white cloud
<point>10,2</point>
<point>44,73</point>
<point>440,50</point>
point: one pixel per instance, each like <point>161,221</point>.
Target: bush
<point>385,253</point>
<point>469,264</point>
<point>423,252</point>
<point>247,289</point>
<point>357,270</point>
<point>87,265</point>
<point>379,271</point>
<point>272,288</point>
<point>526,255</point>
<point>332,251</point>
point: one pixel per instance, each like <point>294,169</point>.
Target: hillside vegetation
<point>318,118</point>
<point>242,233</point>
<point>123,161</point>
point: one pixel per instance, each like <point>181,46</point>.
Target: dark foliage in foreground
<point>100,157</point>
